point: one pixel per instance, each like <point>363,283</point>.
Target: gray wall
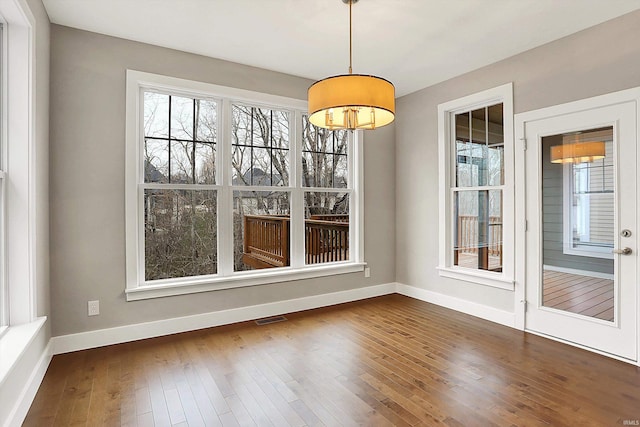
<point>552,214</point>
<point>87,183</point>
<point>599,60</point>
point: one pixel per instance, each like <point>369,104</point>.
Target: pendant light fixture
<point>351,101</point>
<point>576,149</point>
<point>578,152</point>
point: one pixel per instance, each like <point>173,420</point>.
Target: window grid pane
<point>261,229</point>
<point>180,137</point>
<point>479,148</point>
<point>478,229</point>
<point>326,226</point>
<point>180,233</point>
<point>260,144</point>
<point>324,157</point>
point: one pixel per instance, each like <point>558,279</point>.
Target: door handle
<point>623,251</point>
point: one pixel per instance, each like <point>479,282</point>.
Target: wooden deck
<point>386,361</point>
<point>584,295</point>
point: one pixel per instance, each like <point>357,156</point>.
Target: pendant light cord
<point>350,36</point>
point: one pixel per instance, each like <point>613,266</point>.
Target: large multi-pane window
<point>221,189</point>
<point>476,188</point>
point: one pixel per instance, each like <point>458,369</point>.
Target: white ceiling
<point>413,43</point>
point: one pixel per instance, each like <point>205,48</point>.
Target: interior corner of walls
<point>482,311</point>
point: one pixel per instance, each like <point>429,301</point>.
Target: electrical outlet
<point>367,272</point>
<point>93,308</point>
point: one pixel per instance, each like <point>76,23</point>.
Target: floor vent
<point>269,320</point>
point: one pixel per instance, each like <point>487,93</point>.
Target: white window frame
<point>446,144</point>
<point>136,287</point>
<point>567,222</point>
<point>4,294</point>
<point>18,163</point>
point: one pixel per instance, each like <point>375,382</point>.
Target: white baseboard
<point>139,331</point>
<point>28,393</point>
<point>484,312</point>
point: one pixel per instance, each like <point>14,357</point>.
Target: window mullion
<point>140,191</point>
<point>225,196</point>
<point>297,225</point>
<point>356,214</point>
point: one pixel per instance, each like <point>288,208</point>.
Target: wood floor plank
<point>240,413</point>
<point>387,361</point>
<point>229,420</point>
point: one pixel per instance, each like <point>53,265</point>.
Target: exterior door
<point>582,232</point>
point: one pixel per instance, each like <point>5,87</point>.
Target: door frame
<point>520,119</point>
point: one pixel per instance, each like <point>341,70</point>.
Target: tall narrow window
<point>325,176</point>
<point>476,188</point>
<point>180,204</point>
<point>260,170</point>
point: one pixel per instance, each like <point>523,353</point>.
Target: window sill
<point>14,342</point>
<point>586,251</point>
<point>495,280</point>
<point>239,280</point>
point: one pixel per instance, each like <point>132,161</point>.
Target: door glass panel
<point>578,235</point>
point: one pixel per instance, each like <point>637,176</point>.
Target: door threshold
<point>584,347</point>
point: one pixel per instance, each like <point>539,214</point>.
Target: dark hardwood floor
<point>385,361</point>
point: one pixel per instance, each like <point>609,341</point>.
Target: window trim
<point>446,122</point>
<point>4,294</point>
<point>18,163</point>
<point>136,288</point>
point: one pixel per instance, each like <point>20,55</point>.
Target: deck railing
<point>331,217</point>
<point>326,241</point>
<point>266,240</point>
<point>467,241</point>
